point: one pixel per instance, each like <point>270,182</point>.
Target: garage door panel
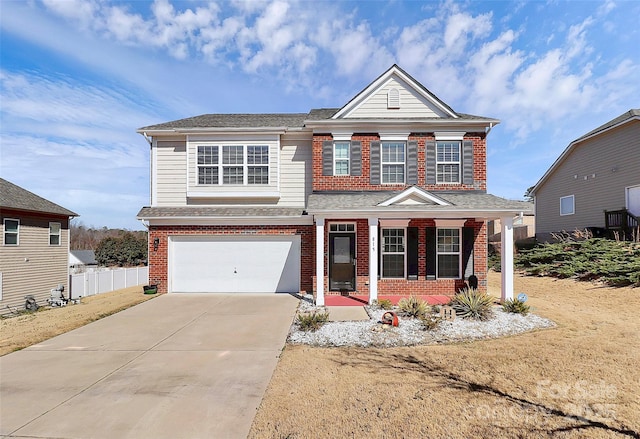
<point>235,264</point>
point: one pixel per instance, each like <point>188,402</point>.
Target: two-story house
<point>385,196</point>
<point>35,247</point>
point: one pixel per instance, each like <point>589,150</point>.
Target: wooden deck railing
<point>621,220</point>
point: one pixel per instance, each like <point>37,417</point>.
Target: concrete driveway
<point>177,366</point>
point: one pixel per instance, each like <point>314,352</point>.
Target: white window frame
<point>221,166</point>
<point>5,232</point>
<point>337,159</point>
<point>573,205</point>
<point>439,163</point>
<point>59,234</point>
<point>403,253</point>
<point>449,252</point>
<point>396,163</point>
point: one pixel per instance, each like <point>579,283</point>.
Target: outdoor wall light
<point>156,243</point>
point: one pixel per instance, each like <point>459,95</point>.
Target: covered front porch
<point>396,249</point>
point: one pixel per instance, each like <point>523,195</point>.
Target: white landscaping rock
<point>410,332</point>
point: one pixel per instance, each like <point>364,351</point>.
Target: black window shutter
<point>467,162</point>
<point>412,162</point>
<point>430,158</point>
<point>431,253</point>
<point>356,158</point>
<point>327,157</point>
<point>412,253</point>
<point>468,240</point>
<point>374,171</point>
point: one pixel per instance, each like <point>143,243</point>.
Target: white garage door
<point>229,264</point>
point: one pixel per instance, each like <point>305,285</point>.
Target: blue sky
<point>79,77</point>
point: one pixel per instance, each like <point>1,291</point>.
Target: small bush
<point>385,304</point>
<point>312,321</point>
<point>430,322</point>
<point>516,307</point>
<point>413,307</point>
<point>470,303</point>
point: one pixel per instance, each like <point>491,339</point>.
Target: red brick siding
<point>158,259</point>
<point>362,183</point>
<point>420,286</point>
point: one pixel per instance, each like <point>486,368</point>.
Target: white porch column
<point>319,261</point>
<point>373,260</point>
<point>506,258</point>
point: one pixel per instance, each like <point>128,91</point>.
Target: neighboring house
<point>594,184</point>
<point>524,225</point>
<point>35,247</point>
<point>81,260</point>
<point>384,196</point>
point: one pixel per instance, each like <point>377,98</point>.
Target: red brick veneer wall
<point>362,183</point>
<point>420,286</point>
<point>158,258</point>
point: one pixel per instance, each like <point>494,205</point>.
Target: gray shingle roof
<point>613,122</point>
<point>15,197</point>
<point>213,212</point>
<point>233,121</point>
<point>369,200</point>
<point>87,257</point>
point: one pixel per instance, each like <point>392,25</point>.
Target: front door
<point>342,261</point>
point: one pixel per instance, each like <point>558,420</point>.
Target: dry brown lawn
<point>28,329</point>
<point>578,380</point>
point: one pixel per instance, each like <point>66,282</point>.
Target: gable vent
<point>393,98</point>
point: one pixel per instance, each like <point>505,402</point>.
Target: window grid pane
<point>258,175</point>
<point>232,155</point>
<point>392,265</point>
<point>232,175</point>
<point>448,173</point>
<point>393,253</point>
<point>208,175</point>
<point>448,266</point>
<point>207,155</point>
<point>258,155</point>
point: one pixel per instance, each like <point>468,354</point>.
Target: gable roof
<point>633,114</point>
<point>15,197</point>
<point>396,71</point>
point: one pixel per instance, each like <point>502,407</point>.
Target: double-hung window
<point>208,161</point>
<point>258,164</point>
<point>341,158</point>
<point>393,162</point>
<point>11,231</point>
<point>448,161</point>
<point>448,253</point>
<point>233,164</point>
<point>393,253</point>
<point>54,233</point>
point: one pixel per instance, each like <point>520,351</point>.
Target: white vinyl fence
<point>96,282</point>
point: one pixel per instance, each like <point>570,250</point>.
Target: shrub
<point>430,322</point>
<point>385,304</point>
<point>413,307</point>
<point>470,303</point>
<point>516,307</point>
<point>312,321</point>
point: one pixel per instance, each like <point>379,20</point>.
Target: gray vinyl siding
<point>33,267</point>
<point>171,176</point>
<point>295,170</point>
<point>613,157</point>
<point>411,103</point>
